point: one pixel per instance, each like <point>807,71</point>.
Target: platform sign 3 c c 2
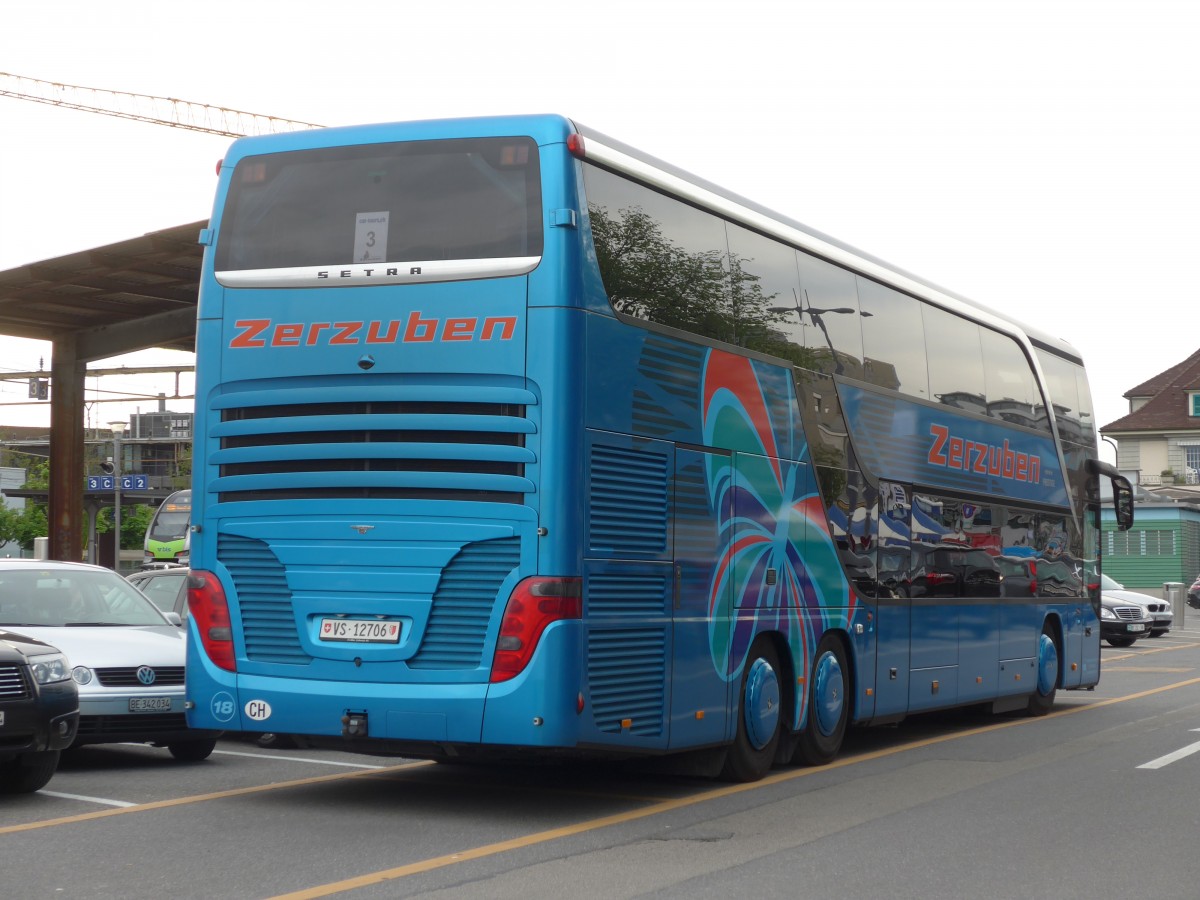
<point>109,482</point>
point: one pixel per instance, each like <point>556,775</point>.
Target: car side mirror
<point>174,618</point>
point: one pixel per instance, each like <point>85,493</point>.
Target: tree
<point>21,526</point>
<point>135,519</point>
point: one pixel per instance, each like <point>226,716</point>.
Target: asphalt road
<point>1096,800</point>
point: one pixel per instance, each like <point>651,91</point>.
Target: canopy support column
<point>65,515</point>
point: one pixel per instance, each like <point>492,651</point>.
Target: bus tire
<point>759,711</point>
<point>1042,698</point>
<point>828,705</point>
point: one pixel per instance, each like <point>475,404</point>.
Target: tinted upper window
<point>1011,390</point>
<point>1070,398</point>
<point>412,201</point>
<point>955,360</point>
<point>666,261</point>
<point>893,339</point>
<point>764,282</point>
<point>830,299</point>
<point>662,260</point>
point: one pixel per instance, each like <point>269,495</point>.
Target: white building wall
<point>11,477</point>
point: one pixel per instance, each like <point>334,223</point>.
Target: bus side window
<point>894,553</point>
<point>852,510</point>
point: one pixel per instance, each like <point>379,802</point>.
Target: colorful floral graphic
<point>770,516</point>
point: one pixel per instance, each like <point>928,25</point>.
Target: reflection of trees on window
<point>708,292</point>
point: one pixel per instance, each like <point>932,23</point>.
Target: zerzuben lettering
<point>416,329</point>
<point>952,452</point>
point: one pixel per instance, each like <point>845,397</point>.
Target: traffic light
<point>107,466</point>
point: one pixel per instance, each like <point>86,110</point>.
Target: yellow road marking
<point>529,840</point>
<point>198,798</point>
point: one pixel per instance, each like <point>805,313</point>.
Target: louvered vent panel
<point>454,440</point>
<point>268,622</point>
<point>626,675</point>
<point>627,502</point>
<point>626,595</point>
<point>463,604</point>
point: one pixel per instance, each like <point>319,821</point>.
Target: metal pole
<point>117,497</point>
<point>117,428</point>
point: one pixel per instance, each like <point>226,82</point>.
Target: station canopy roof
<point>97,304</point>
<point>131,295</point>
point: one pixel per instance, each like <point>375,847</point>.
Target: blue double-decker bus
<point>511,440</point>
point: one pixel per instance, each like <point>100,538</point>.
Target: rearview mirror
<point>1123,502</point>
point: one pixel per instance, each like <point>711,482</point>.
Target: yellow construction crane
<point>146,108</point>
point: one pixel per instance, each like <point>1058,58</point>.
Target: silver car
<point>127,657</point>
<point>1159,610</point>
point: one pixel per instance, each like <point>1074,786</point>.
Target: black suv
<point>39,712</point>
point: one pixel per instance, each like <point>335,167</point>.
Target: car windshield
<point>1107,584</point>
<point>162,589</point>
<point>72,598</point>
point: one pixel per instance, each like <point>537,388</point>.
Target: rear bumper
<point>538,708</point>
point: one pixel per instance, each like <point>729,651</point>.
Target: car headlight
<point>50,667</point>
<point>82,675</point>
<point>1105,613</point>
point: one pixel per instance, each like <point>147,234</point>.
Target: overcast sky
<point>1038,156</point>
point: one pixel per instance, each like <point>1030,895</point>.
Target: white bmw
<point>127,657</point>
<point>1158,609</point>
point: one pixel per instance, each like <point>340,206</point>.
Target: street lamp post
<point>1112,444</point>
<point>817,315</point>
<point>117,429</point>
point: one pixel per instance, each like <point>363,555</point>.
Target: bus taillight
<point>534,604</point>
<point>210,611</point>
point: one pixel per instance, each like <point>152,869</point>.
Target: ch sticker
<point>258,710</point>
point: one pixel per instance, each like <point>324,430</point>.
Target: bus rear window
<point>383,203</point>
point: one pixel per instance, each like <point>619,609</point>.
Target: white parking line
<point>121,804</point>
<point>1172,757</point>
<point>320,762</point>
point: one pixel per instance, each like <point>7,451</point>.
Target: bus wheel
<point>828,706</point>
<point>1042,698</point>
<point>752,752</point>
